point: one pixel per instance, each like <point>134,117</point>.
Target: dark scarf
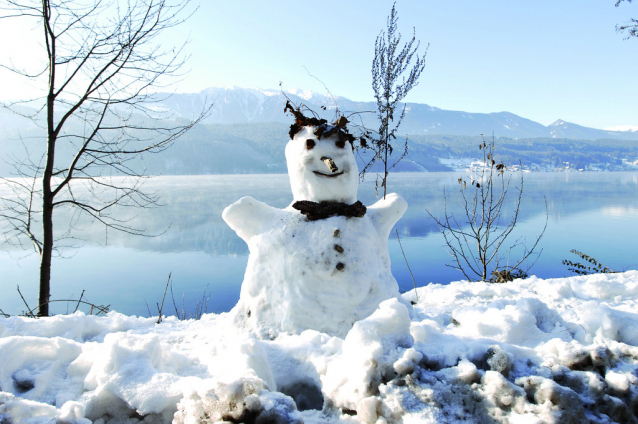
<point>323,210</point>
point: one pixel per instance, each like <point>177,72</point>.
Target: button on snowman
<point>322,263</point>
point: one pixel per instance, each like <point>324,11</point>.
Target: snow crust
<point>560,350</point>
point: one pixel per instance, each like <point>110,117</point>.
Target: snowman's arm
<point>386,212</point>
<point>249,217</point>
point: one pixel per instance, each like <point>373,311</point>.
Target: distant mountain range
<point>247,130</point>
<point>235,105</point>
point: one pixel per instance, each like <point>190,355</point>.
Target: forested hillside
<point>259,148</point>
<point>250,148</point>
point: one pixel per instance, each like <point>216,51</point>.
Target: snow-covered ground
<point>530,351</point>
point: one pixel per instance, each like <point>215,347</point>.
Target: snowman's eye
<point>340,144</point>
<point>310,143</point>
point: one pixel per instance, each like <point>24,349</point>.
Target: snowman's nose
<point>330,164</point>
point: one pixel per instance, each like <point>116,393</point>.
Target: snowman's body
<point>324,274</point>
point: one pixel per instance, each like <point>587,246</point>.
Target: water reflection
<point>191,218</point>
<point>592,212</point>
<point>620,211</point>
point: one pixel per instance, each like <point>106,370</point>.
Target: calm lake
<point>596,213</point>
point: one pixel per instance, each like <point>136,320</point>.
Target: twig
<point>202,307</point>
<point>406,262</point>
<point>78,305</point>
<point>3,314</point>
<point>148,309</point>
<point>30,311</point>
<point>174,304</point>
<point>159,308</point>
<point>327,90</point>
<point>101,309</point>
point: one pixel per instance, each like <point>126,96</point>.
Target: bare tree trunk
<point>47,219</point>
<point>47,195</point>
<point>45,259</point>
<point>47,227</point>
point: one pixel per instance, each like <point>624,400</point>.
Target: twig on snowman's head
<point>322,128</point>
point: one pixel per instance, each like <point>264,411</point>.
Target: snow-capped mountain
<point>248,129</point>
<point>232,105</point>
<point>630,128</point>
<point>562,129</point>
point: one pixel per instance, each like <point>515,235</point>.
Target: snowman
<point>322,263</point>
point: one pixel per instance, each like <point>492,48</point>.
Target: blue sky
<point>540,59</point>
<point>543,60</point>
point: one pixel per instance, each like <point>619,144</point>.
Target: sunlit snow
<point>558,350</point>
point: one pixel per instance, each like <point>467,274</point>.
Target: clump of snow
<point>322,274</point>
<point>244,400</point>
<point>529,351</point>
<point>371,354</point>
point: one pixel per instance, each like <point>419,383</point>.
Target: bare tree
<point>631,27</point>
<point>477,240</point>
<point>101,66</point>
<point>390,86</point>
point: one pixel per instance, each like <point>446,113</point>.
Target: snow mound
<point>560,350</point>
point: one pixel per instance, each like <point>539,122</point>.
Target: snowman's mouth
<point>328,175</point>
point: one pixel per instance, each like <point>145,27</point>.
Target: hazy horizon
<point>544,60</point>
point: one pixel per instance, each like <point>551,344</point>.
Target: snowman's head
<point>321,168</point>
